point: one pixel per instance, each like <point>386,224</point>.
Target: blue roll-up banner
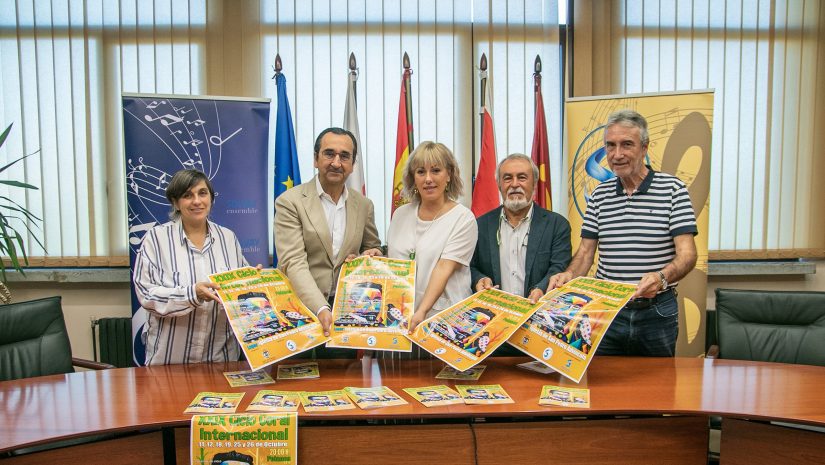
<point>226,138</point>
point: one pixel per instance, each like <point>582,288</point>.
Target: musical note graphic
<point>155,104</point>
<point>165,120</point>
<point>215,140</point>
<point>139,228</point>
<point>197,122</point>
<point>193,142</point>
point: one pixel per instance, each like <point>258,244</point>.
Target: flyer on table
<point>566,331</point>
<point>565,396</point>
<point>483,394</point>
<point>258,439</point>
<point>215,402</point>
<point>433,396</point>
<point>470,374</point>
<point>308,370</point>
<point>275,401</point>
<point>374,301</point>
<point>374,397</point>
<point>469,331</point>
<point>247,378</point>
<point>268,319</point>
<point>325,401</point>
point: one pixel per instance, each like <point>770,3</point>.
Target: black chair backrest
<point>771,326</point>
<point>33,340</point>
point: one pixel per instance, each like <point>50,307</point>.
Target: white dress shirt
<point>512,252</point>
<point>336,214</point>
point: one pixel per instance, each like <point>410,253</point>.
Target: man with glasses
<point>319,223</point>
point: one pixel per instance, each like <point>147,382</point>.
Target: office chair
<point>770,326</point>
<point>34,341</point>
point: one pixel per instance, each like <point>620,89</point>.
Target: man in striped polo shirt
<point>643,225</point>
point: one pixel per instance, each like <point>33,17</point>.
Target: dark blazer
<point>548,249</point>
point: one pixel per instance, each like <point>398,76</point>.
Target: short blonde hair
<point>434,154</point>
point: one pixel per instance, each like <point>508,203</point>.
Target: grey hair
<point>434,154</point>
<point>629,117</point>
<point>519,156</point>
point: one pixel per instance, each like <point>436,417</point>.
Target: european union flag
<point>287,171</point>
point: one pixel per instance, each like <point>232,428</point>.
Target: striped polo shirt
<point>635,232</point>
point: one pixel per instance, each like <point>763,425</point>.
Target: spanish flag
<point>403,144</point>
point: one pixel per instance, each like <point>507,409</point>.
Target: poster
<point>566,331</point>
<point>257,439</point>
<point>680,126</point>
<point>374,397</point>
<point>275,401</point>
<point>374,301</point>
<point>434,396</point>
<point>565,396</point>
<point>466,333</point>
<point>483,394</point>
<point>247,378</point>
<point>215,402</point>
<point>268,319</point>
<point>326,401</point>
<point>308,370</point>
<point>224,137</point>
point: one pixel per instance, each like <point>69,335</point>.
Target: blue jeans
<point>648,331</point>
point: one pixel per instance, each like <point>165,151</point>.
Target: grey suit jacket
<point>548,249</point>
<point>303,243</point>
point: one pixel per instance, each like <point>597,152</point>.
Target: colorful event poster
<point>307,370</point>
<point>275,401</point>
<point>470,374</point>
<point>374,397</point>
<point>260,439</point>
<point>325,401</point>
<point>247,378</point>
<point>469,331</point>
<point>566,331</point>
<point>433,396</point>
<point>565,396</point>
<point>483,394</point>
<point>215,402</point>
<point>268,319</point>
<point>374,301</point>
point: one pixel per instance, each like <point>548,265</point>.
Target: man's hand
<point>325,317</point>
<point>207,291</point>
<point>417,318</point>
<point>535,295</point>
<point>484,283</point>
<point>372,252</point>
<point>558,280</point>
<point>648,286</point>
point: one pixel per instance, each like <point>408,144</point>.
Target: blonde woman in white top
<point>435,230</point>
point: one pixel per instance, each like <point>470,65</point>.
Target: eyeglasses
<point>331,154</point>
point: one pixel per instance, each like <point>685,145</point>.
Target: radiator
<point>114,337</point>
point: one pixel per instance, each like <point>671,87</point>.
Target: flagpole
<point>536,80</point>
<point>482,66</point>
<point>407,79</point>
<point>278,67</point>
<point>353,72</point>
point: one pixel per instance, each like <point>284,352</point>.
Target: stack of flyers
<point>247,378</point>
<point>471,374</point>
<point>307,370</point>
<point>275,401</point>
<point>373,397</point>
<point>432,396</point>
<point>325,401</point>
<point>565,396</point>
<point>483,394</point>
<point>215,402</point>
<point>536,366</point>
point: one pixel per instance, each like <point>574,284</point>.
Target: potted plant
<point>12,213</point>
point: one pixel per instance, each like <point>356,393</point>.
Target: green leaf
<point>18,184</point>
<point>5,134</point>
<point>16,161</point>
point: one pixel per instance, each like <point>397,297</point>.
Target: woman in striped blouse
<point>186,321</point>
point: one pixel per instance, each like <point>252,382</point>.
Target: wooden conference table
<point>643,410</point>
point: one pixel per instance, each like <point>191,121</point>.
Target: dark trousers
<point>650,331</point>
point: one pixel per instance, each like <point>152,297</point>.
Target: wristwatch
<point>664,280</point>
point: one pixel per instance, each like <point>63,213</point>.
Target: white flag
<point>356,179</point>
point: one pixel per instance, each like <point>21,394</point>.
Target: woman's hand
<point>207,291</point>
<point>416,319</point>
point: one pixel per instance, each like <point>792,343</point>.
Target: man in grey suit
<point>321,222</point>
<point>520,245</point>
